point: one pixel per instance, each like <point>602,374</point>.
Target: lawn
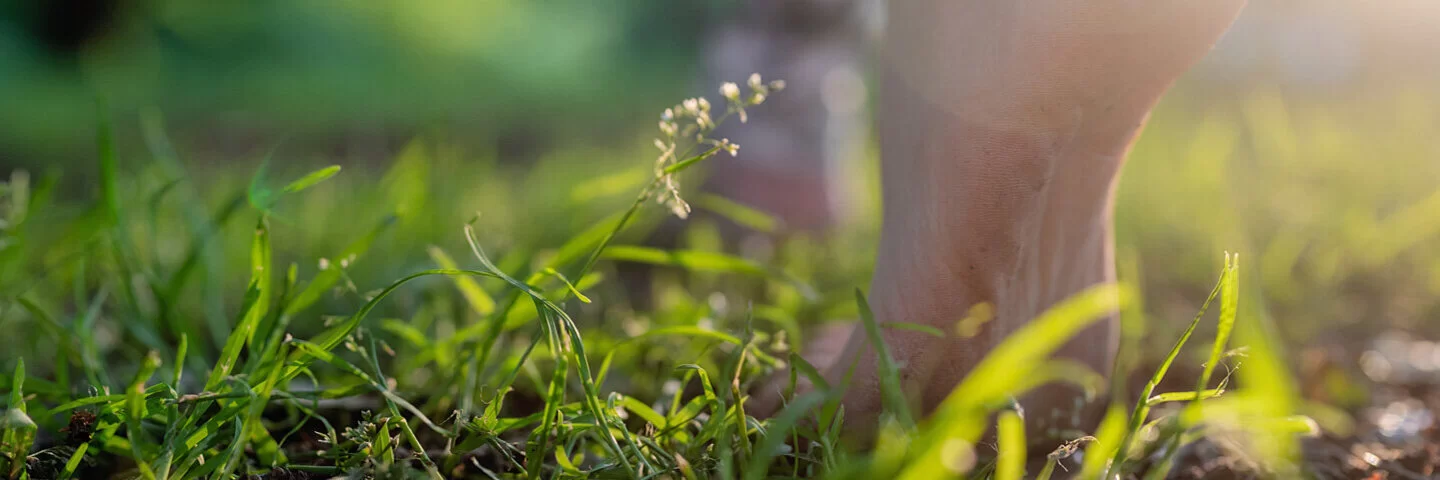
<point>454,315</point>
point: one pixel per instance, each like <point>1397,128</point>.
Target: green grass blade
<point>1010,462</point>
<point>681,330</point>
<point>17,387</point>
<point>261,197</point>
<point>230,354</point>
<point>680,166</point>
<point>73,463</point>
<point>777,429</point>
<point>553,400</point>
<point>644,411</point>
<point>332,337</point>
<point>109,164</point>
<point>1108,436</point>
<point>890,388</point>
<point>565,328</point>
<point>1229,299</point>
<point>739,213</point>
<point>260,272</point>
<point>566,281</point>
<point>1184,396</point>
<point>480,301</point>
<point>810,372</point>
<point>17,430</point>
<point>961,416</point>
<point>703,261</point>
<point>1142,410</point>
<point>311,179</point>
<point>135,411</point>
<point>583,243</point>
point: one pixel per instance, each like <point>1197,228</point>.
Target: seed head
<point>730,91</point>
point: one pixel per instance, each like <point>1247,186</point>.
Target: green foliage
<point>191,336</point>
<point>17,430</point>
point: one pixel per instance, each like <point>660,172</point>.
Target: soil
<point>1389,385</point>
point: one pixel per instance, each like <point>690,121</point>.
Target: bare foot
<point>1003,127</point>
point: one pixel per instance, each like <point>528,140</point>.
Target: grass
<point>141,350</point>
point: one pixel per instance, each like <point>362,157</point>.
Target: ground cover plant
<point>136,349</point>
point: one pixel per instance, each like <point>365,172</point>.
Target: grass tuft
<point>205,346</point>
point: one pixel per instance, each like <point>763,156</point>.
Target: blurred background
<point>1307,141</point>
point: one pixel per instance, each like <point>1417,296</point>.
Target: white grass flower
<point>777,85</point>
<point>730,91</point>
<point>691,118</point>
<point>677,205</point>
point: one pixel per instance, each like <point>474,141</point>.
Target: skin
<point>1003,127</point>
